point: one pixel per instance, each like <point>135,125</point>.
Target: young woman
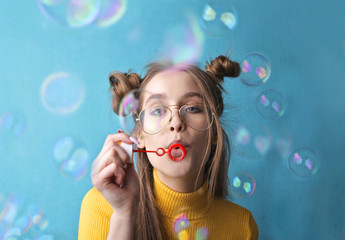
<point>167,199</point>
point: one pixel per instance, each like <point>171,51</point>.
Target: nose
<point>176,123</point>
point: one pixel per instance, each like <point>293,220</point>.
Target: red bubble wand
<point>160,151</point>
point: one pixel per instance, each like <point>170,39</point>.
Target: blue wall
<point>304,41</point>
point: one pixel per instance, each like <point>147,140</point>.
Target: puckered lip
<point>184,144</point>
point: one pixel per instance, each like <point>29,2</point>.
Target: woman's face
<point>175,88</point>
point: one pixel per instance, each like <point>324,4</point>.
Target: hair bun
<point>222,67</point>
<point>120,85</point>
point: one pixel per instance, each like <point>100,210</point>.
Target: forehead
<point>172,85</point>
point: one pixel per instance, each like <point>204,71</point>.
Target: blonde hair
<point>149,224</point>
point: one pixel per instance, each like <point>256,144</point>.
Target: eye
<point>157,111</point>
<point>193,109</point>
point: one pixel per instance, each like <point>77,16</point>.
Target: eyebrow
<point>160,96</point>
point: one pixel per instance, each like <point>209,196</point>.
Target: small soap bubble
<point>111,12</point>
<point>45,237</point>
<point>71,157</point>
<point>271,104</point>
<point>181,222</point>
<point>62,93</point>
<point>243,185</point>
<point>282,142</point>
<point>218,18</point>
<point>13,128</point>
<point>201,234</point>
<point>17,218</point>
<point>70,13</point>
<point>256,70</point>
<point>303,162</point>
<point>13,123</point>
<point>252,140</point>
<point>183,44</point>
<point>23,223</point>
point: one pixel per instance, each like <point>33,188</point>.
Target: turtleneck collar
<point>172,203</point>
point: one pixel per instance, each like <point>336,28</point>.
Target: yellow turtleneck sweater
<point>184,215</point>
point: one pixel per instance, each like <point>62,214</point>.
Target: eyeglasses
<point>154,119</point>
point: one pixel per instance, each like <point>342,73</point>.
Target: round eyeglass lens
<point>197,116</point>
<point>153,119</point>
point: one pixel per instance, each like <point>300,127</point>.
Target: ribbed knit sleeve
<point>95,216</point>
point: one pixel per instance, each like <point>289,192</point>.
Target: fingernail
<point>133,139</point>
<point>119,131</point>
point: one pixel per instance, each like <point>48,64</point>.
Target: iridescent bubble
<point>303,162</point>
<point>129,111</point>
<point>218,18</point>
<point>71,13</point>
<point>255,69</point>
<point>13,126</point>
<point>45,237</point>
<point>71,157</point>
<point>111,12</point>
<point>282,142</point>
<point>62,93</point>
<point>243,185</point>
<point>183,235</point>
<point>13,205</point>
<point>201,234</point>
<point>252,140</point>
<point>23,223</point>
<point>13,123</point>
<point>181,222</point>
<point>12,233</point>
<point>184,43</point>
<point>271,104</point>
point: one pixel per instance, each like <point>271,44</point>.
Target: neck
<point>182,184</point>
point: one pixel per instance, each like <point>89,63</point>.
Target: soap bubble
<point>183,44</point>
<point>62,93</point>
<point>71,157</point>
<point>252,140</point>
<point>111,12</point>
<point>181,222</point>
<point>218,18</point>
<point>255,69</point>
<point>243,185</point>
<point>303,162</point>
<point>271,104</point>
<point>201,234</point>
<point>14,123</point>
<point>129,111</point>
<point>70,13</point>
<point>18,220</point>
<point>282,142</point>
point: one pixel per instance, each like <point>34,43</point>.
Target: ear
<point>140,140</point>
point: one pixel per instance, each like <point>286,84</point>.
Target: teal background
<point>304,42</point>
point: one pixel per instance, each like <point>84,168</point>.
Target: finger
<point>113,173</point>
<point>113,139</point>
<point>115,154</point>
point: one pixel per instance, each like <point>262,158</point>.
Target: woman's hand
<point>114,176</point>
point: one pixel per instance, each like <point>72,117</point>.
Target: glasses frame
<point>171,114</point>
